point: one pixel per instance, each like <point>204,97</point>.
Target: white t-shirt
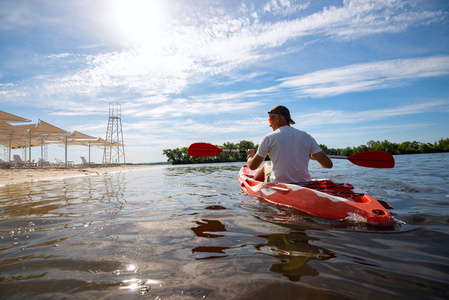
<point>289,150</point>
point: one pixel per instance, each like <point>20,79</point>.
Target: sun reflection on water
<point>141,286</point>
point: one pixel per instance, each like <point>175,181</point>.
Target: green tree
<point>443,145</point>
<point>372,145</point>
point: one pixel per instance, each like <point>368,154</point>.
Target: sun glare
<point>138,20</point>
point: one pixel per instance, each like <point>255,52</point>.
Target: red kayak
<point>321,198</point>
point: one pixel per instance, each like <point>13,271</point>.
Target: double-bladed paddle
<point>368,159</point>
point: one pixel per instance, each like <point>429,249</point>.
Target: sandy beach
<point>20,175</point>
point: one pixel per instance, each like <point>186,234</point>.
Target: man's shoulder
<point>272,133</point>
<point>289,129</point>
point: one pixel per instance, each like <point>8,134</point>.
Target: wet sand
<point>20,175</point>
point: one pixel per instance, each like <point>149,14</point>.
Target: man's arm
<point>254,160</point>
<point>323,159</point>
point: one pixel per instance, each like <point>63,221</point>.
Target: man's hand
<point>253,161</point>
<point>250,152</point>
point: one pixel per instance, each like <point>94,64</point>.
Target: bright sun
<point>138,20</point>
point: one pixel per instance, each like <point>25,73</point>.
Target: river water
<point>187,232</point>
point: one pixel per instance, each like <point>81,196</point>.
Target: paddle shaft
<point>338,157</point>
<point>234,151</point>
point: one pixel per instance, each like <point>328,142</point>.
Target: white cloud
<point>327,117</point>
<point>352,20</point>
<point>182,107</point>
<point>14,14</point>
<point>359,135</point>
<point>283,7</point>
<point>324,83</point>
<point>60,55</point>
<point>171,85</point>
<point>235,79</point>
<point>368,76</point>
<point>185,131</point>
<point>217,42</point>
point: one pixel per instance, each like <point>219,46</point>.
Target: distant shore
<point>21,175</point>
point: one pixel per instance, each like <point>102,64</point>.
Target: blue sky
<point>208,71</point>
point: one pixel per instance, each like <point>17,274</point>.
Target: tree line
<point>180,156</point>
<point>393,148</point>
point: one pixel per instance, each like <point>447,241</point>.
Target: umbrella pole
<point>66,152</point>
<point>9,152</point>
<point>29,158</point>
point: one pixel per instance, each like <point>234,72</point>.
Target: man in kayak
<point>290,150</point>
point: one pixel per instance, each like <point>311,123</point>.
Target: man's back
<point>289,150</point>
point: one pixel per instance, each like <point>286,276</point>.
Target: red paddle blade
<point>203,149</point>
<point>373,159</point>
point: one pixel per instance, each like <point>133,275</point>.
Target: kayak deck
<point>322,198</point>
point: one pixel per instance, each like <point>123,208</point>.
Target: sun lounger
<point>84,161</point>
<point>59,163</point>
<point>43,163</point>
<point>62,164</point>
<point>18,162</point>
<point>5,164</point>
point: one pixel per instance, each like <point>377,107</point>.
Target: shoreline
<point>16,175</point>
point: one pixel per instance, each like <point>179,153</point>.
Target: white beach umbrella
<point>14,136</point>
<point>10,118</point>
<point>6,118</point>
<point>46,130</point>
<point>78,138</point>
